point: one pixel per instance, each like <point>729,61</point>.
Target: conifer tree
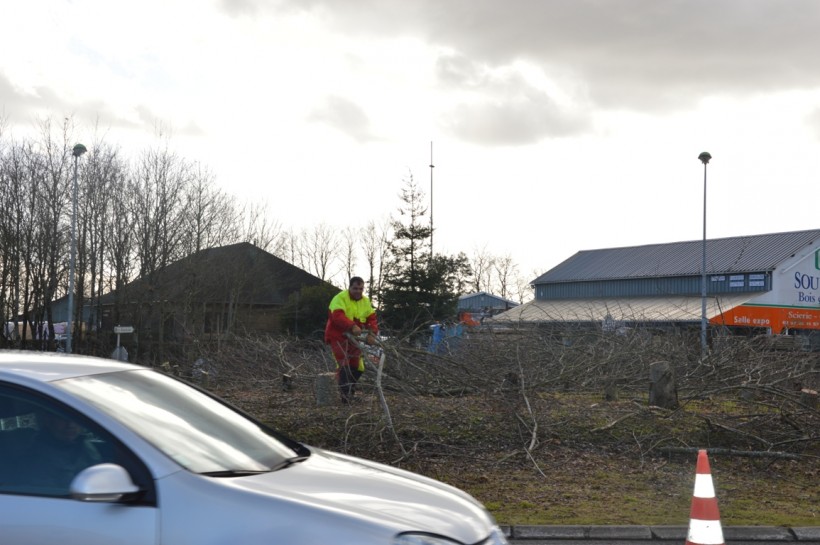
<point>421,287</point>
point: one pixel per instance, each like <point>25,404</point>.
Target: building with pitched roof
<point>483,303</point>
<point>234,288</point>
<point>767,282</point>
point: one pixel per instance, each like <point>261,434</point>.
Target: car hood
<point>376,493</point>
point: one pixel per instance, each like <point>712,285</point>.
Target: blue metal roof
<point>482,301</point>
<point>487,296</point>
<point>753,253</point>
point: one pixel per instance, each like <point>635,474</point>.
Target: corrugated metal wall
<point>643,287</point>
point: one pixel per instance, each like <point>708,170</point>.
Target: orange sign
<point>777,318</point>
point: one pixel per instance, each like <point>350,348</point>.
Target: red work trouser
<point>348,362</point>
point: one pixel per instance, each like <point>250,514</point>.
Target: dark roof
<point>480,294</point>
<point>754,253</point>
<point>239,272</point>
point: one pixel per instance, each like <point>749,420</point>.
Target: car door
<point>43,445</point>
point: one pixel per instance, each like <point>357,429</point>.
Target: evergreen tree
<point>420,288</point>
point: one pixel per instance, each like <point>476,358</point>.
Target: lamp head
<point>704,157</point>
<point>78,150</point>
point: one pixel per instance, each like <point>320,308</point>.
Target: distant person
<point>350,312</point>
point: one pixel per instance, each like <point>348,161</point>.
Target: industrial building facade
<point>762,283</point>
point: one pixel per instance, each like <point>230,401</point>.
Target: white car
<point>97,452</point>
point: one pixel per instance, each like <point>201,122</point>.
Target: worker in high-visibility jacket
<point>350,312</point>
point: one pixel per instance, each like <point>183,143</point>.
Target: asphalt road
<point>657,535</point>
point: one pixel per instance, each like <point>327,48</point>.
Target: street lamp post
<point>78,150</point>
<point>704,158</point>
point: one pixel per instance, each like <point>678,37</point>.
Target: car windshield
<point>198,432</point>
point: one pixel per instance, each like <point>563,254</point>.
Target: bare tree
<point>320,248</point>
<point>35,172</point>
<point>350,241</point>
<point>104,175</point>
<point>157,188</point>
<point>264,232</point>
<point>522,289</point>
<point>505,272</point>
<point>291,248</point>
<point>13,188</point>
<point>376,248</point>
<point>482,265</point>
<point>210,216</point>
<point>54,215</point>
<point>121,248</point>
<point>5,238</point>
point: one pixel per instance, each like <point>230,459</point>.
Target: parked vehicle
<point>96,451</point>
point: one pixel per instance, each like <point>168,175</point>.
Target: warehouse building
<point>482,305</point>
<point>754,284</point>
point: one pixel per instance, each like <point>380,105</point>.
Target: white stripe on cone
<point>704,487</point>
<point>705,532</point>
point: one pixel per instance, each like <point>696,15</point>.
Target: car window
<point>45,444</point>
<point>192,428</point>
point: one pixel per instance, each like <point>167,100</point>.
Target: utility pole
<point>431,201</point>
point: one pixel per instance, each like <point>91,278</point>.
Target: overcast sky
<point>557,125</point>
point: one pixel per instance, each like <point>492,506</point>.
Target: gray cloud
<point>256,8</point>
<point>523,121</point>
<point>508,110</point>
<point>149,118</point>
<point>636,54</point>
<point>346,116</point>
<point>23,107</point>
<point>458,71</point>
<point>236,8</point>
<point>20,105</point>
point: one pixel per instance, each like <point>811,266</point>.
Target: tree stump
<point>747,394</point>
<point>808,397</point>
<point>611,391</point>
<point>663,392</point>
<point>511,383</point>
<point>326,392</point>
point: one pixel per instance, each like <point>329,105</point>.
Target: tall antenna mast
<point>431,200</point>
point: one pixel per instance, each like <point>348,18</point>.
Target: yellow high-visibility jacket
<point>343,313</point>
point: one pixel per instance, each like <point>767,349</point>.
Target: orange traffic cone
<point>704,520</point>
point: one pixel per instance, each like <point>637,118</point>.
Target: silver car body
<point>327,498</point>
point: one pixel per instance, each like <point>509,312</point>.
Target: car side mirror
<point>102,483</point>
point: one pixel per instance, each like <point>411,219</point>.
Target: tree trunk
<point>325,389</point>
<point>663,391</point>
